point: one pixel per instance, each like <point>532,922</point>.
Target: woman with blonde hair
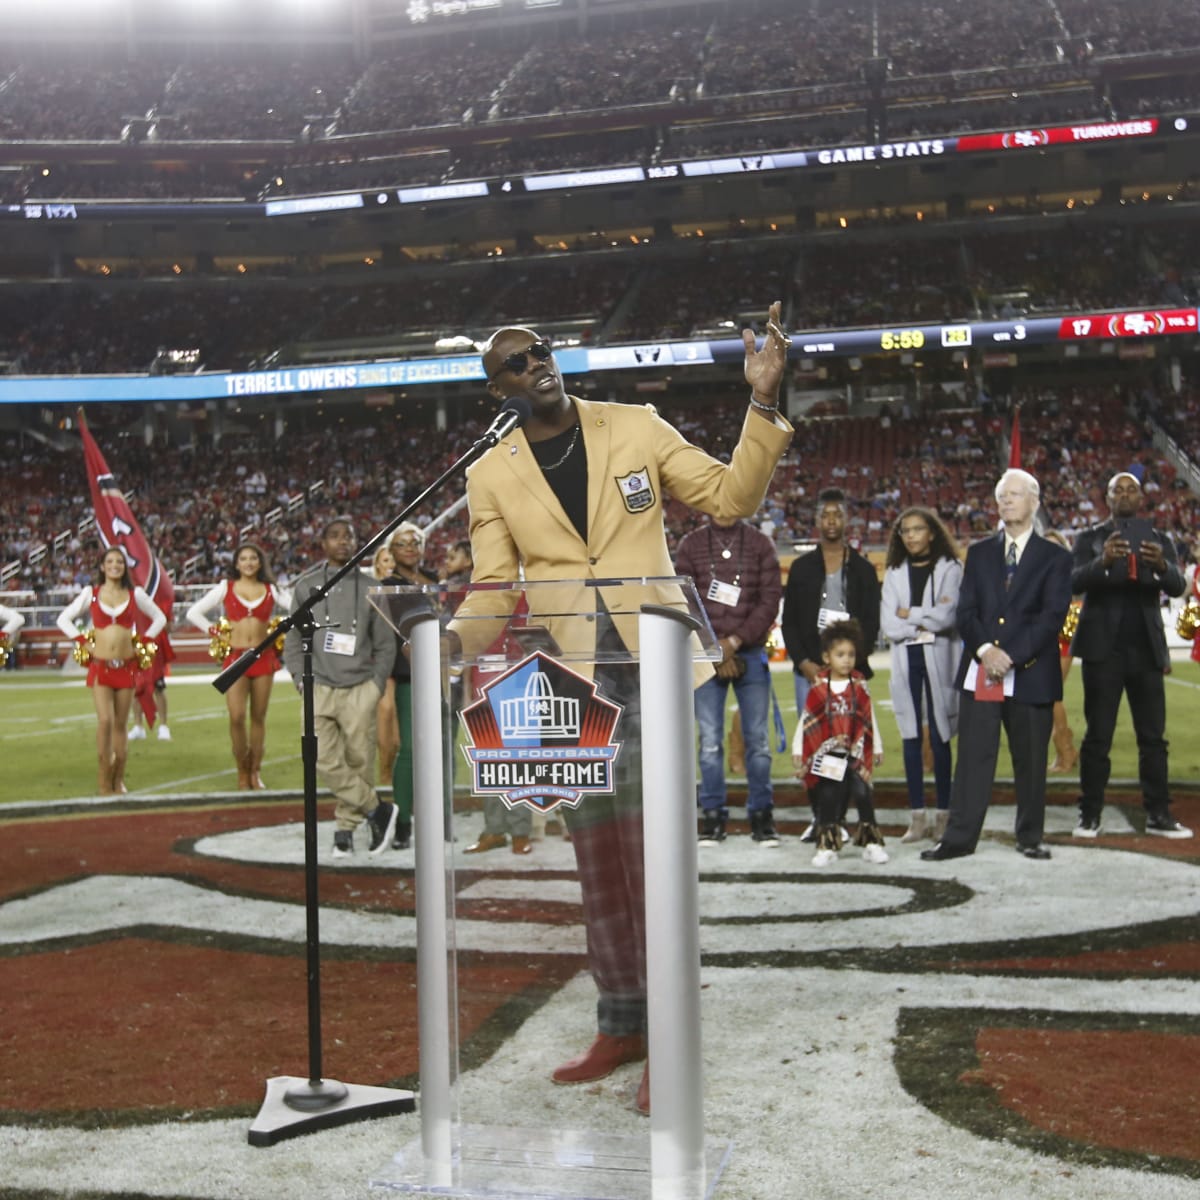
<point>408,548</point>
<point>111,605</point>
<point>246,600</point>
<point>917,615</point>
<point>387,734</point>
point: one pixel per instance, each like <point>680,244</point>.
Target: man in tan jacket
<point>578,493</point>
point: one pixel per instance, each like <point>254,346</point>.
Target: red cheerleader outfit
<point>236,609</point>
<point>113,672</point>
<point>1196,639</point>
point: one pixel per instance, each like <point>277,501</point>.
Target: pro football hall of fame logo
<point>540,735</point>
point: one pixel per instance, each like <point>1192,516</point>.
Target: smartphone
<point>534,637</point>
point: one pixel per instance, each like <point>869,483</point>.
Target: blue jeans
<point>753,693</point>
<point>803,687</point>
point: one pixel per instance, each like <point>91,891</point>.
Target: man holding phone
<point>1120,568</point>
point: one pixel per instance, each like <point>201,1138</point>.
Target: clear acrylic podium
<point>572,698</point>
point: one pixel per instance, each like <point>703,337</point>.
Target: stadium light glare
<point>64,8</point>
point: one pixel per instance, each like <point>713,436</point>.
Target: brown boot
<point>104,776</point>
<point>486,842</point>
<point>256,783</point>
<point>941,818</point>
<point>118,775</point>
<point>1065,754</point>
<point>243,771</point>
<point>602,1058</point>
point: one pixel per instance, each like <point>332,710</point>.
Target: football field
<point>47,736</point>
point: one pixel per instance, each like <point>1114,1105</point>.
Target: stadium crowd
<point>197,503</point>
<point>659,57</point>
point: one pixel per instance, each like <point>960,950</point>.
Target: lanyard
<point>726,554</point>
<point>842,572</point>
<point>325,579</point>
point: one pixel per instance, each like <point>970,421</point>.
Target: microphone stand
<point>294,1106</point>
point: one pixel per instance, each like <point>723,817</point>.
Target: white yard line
<point>176,784</point>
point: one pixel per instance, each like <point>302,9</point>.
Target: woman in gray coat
<point>917,614</point>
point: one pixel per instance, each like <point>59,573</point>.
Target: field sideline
<point>48,748</point>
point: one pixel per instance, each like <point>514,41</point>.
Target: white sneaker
<point>1088,827</point>
<point>164,734</point>
<point>137,733</point>
<point>823,858</point>
<point>874,853</point>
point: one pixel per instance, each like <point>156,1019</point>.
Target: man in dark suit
<point>1120,569</point>
<point>1016,589</point>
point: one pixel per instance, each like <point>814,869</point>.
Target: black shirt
<point>567,476</point>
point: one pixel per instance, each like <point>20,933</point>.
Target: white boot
<point>919,826</point>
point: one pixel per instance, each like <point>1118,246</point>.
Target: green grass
<point>47,736</point>
<point>48,739</point>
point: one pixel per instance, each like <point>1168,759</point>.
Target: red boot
<point>642,1103</point>
<point>602,1058</point>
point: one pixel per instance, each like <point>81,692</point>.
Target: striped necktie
<point>1010,565</point>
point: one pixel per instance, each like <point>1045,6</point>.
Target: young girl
<point>112,672</point>
<point>837,746</point>
<point>248,599</point>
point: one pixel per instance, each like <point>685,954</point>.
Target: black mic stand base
<point>294,1106</point>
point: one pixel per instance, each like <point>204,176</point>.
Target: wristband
<point>767,408</point>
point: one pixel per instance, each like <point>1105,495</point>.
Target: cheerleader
<point>247,600</point>
<point>111,605</point>
<point>1065,754</point>
<point>10,622</point>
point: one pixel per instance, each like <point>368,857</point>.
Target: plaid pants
<point>606,832</point>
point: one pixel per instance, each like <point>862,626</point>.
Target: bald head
<point>493,355</point>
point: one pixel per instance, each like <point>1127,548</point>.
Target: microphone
<point>513,415</point>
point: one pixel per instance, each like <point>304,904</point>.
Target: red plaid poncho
<point>828,715</point>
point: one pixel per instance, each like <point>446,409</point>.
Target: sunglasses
<point>518,363</point>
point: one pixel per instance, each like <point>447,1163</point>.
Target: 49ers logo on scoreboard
<point>1152,323</point>
<point>1021,139</point>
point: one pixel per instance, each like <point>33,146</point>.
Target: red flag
<point>117,526</point>
<point>1014,440</point>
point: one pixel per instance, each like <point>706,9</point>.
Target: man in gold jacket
<point>578,493</point>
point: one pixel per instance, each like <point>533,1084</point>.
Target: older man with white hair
<point>1015,592</point>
